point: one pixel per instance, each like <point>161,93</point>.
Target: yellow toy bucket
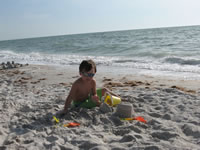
<point>112,100</point>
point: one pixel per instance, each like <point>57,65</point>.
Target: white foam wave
<point>51,59</point>
<point>146,64</point>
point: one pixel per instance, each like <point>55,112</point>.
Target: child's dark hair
<point>87,65</point>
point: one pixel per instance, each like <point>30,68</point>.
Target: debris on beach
<point>10,65</point>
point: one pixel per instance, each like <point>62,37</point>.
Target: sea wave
<point>183,61</point>
<point>51,59</point>
<point>170,64</point>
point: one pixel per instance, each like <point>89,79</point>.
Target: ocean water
<point>171,51</point>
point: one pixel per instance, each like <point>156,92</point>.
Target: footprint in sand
<point>191,130</point>
<point>128,138</point>
<point>156,115</point>
<point>166,117</point>
<point>164,135</point>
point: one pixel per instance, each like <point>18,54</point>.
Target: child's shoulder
<point>76,84</point>
<point>77,81</point>
<point>93,81</point>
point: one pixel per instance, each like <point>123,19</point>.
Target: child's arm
<point>69,99</point>
<point>94,94</point>
<point>105,90</point>
<point>96,99</point>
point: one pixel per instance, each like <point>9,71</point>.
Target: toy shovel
<point>139,118</point>
<point>71,124</point>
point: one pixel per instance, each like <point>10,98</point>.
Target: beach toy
<point>71,124</point>
<point>139,118</point>
<point>112,100</point>
<point>124,110</point>
<point>56,120</point>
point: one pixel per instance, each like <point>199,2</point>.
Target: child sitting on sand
<point>83,92</point>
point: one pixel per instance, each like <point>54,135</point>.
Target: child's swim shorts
<point>88,103</point>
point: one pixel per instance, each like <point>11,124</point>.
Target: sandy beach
<point>31,95</point>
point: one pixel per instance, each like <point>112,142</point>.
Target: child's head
<point>87,65</point>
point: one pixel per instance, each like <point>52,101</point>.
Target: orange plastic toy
<point>71,124</point>
<point>139,118</point>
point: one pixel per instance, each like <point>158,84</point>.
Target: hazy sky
<point>36,18</point>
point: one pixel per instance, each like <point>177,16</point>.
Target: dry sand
<point>31,95</point>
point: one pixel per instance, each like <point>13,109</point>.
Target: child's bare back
<point>82,89</point>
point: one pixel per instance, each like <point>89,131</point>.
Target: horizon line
<point>96,32</point>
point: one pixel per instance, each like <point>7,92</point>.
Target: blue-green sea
<point>173,51</point>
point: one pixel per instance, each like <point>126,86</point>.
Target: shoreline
<point>30,95</point>
<point>104,75</point>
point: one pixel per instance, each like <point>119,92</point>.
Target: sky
<point>38,18</point>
